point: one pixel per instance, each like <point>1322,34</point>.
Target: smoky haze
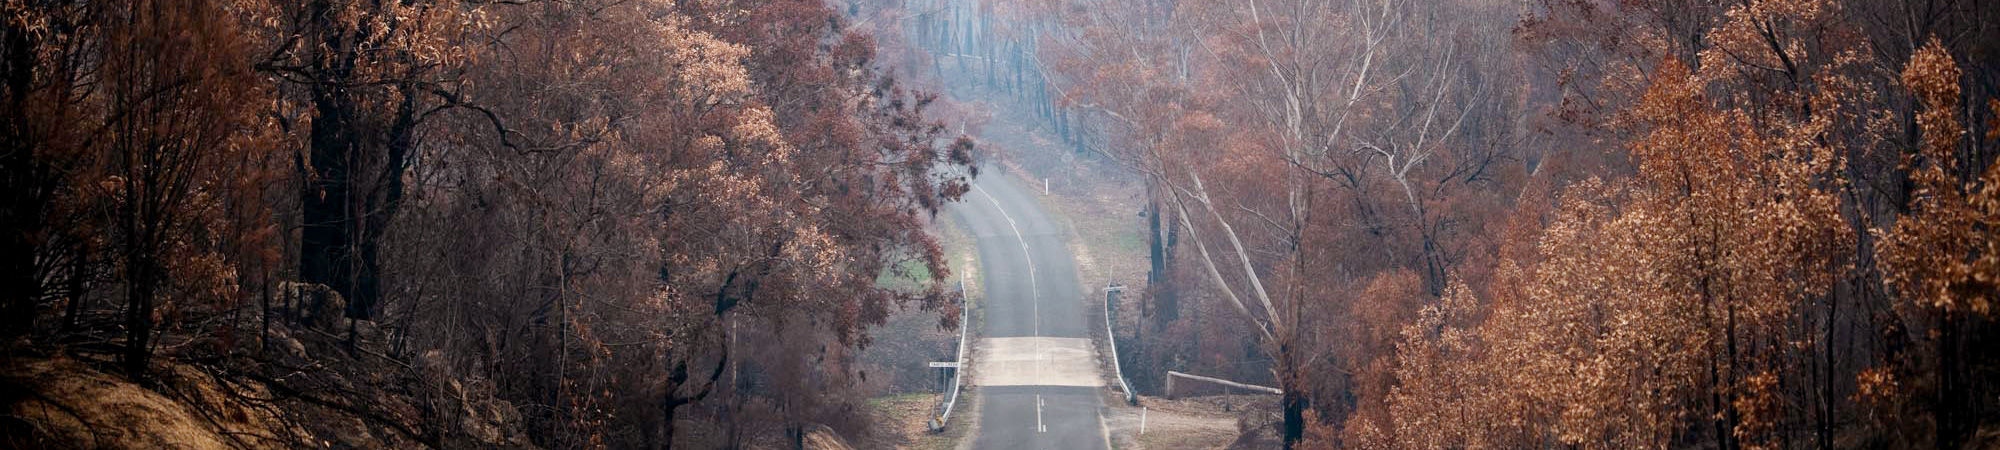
<point>999,224</point>
<point>1503,223</point>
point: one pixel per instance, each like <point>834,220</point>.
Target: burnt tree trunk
<point>23,186</point>
<point>354,182</point>
<point>326,245</point>
<point>141,292</point>
<point>1294,401</point>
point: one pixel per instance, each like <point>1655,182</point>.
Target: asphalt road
<point>1037,378</point>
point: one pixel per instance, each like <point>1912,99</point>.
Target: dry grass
<point>905,422</point>
<point>69,404</point>
<point>1201,422</point>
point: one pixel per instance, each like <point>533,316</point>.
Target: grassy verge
<point>1196,423</point>
<point>903,419</point>
<point>906,419</point>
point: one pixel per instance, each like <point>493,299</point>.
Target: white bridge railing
<point>1111,340</point>
<point>1171,375</point>
<point>957,373</point>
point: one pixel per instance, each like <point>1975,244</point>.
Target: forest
<point>386,208</point>
<point>667,223</point>
<point>1557,223</point>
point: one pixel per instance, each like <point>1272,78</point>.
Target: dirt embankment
<point>56,403</point>
<point>297,387</point>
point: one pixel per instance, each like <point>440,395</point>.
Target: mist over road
<point>1037,372</point>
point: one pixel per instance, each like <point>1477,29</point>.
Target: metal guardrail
<point>1111,338</point>
<point>957,374</point>
<point>1171,375</point>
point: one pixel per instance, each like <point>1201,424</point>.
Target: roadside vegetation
<point>461,223</point>
<point>1494,223</point>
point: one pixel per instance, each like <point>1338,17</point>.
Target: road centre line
<point>1034,288</point>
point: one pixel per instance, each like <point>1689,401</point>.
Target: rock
<point>284,342</point>
<point>315,304</point>
<point>369,331</point>
<point>480,430</point>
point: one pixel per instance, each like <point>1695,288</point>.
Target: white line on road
<point>1034,289</point>
<point>1039,426</point>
